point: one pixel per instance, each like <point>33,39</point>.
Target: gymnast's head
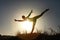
<point>23,17</point>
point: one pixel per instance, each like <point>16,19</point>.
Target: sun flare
<point>25,26</point>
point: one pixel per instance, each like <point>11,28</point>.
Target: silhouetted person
<point>33,19</point>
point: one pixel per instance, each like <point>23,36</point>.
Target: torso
<point>32,19</point>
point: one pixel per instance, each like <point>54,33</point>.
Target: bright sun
<point>26,26</point>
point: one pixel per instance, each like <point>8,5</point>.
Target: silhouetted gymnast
<point>33,19</point>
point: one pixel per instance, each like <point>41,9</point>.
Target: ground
<point>39,37</point>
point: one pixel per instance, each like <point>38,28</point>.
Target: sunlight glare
<point>26,26</point>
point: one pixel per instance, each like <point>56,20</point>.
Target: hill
<point>39,37</point>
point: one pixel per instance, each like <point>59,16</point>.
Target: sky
<point>14,9</point>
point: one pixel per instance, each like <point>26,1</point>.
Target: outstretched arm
<point>29,13</point>
<point>18,20</point>
<point>42,13</point>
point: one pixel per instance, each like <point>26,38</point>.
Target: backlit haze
<point>10,10</point>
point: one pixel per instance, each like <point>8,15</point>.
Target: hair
<point>23,17</point>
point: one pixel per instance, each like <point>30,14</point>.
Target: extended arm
<point>29,13</point>
<point>42,13</point>
<point>18,20</point>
